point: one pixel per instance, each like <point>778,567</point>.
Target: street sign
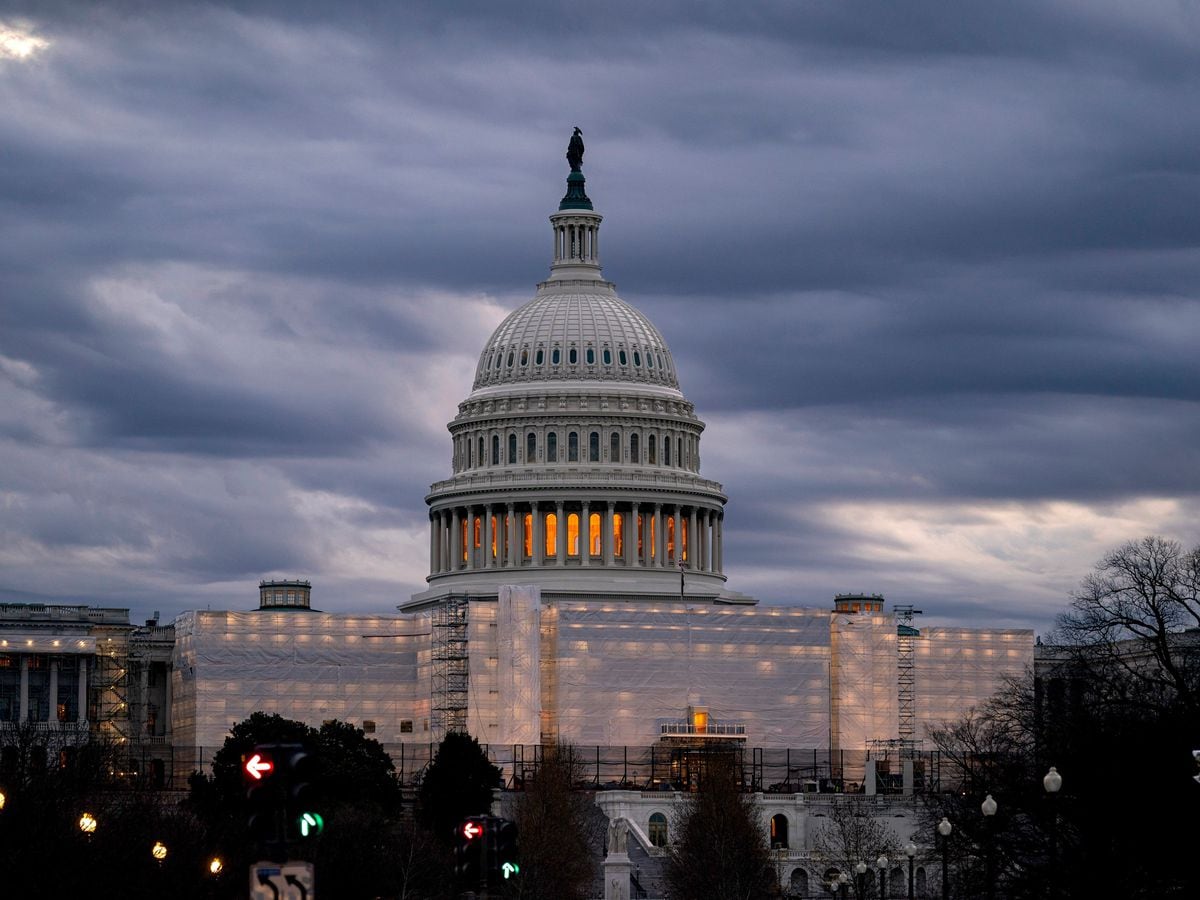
<point>286,881</point>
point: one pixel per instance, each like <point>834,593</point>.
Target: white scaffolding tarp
<point>518,676</point>
<point>369,671</point>
<point>960,668</point>
<point>864,676</point>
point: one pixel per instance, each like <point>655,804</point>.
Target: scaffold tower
<point>450,666</point>
<point>906,701</point>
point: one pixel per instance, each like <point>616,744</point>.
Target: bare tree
<point>852,835</point>
<point>557,829</point>
<point>722,849</point>
<point>1133,622</point>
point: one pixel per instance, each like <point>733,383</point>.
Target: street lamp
<point>944,828</point>
<point>159,851</point>
<point>910,850</point>
<point>1052,782</point>
<point>860,870</point>
<point>3,799</point>
<point>844,881</point>
<point>215,865</point>
<point>87,824</point>
<point>988,808</point>
<point>882,864</point>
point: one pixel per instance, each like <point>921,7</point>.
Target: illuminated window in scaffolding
<point>618,535</point>
<point>528,527</point>
<point>573,534</point>
<point>594,534</point>
<point>551,534</point>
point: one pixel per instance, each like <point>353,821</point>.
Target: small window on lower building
<point>658,829</point>
<point>369,726</point>
<point>406,726</point>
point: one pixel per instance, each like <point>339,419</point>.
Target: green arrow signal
<point>509,870</point>
<point>311,823</point>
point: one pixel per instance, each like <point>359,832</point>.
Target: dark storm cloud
<point>928,271</point>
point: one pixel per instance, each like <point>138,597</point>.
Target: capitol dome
<point>576,456</point>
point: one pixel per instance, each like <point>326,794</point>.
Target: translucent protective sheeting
<point>518,677</point>
<point>370,671</point>
<point>864,688</point>
<point>618,673</point>
<point>957,669</point>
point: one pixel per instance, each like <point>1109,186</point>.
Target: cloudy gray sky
<point>929,272</point>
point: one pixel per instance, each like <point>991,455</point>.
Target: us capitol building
<point>576,590</point>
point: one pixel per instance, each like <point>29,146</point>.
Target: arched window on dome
<point>637,360</point>
<point>591,356</point>
<point>618,535</point>
<point>622,358</point>
<point>594,447</point>
<point>652,450</point>
<point>607,357</point>
<point>573,446</point>
<point>555,356</point>
<point>551,535</point>
<point>512,449</point>
<point>573,534</point>
<point>666,451</point>
<point>660,362</point>
<point>614,447</point>
<point>552,447</point>
<point>635,450</point>
<point>530,448</point>
<point>499,358</point>
<point>594,534</point>
<point>524,357</point>
<point>539,357</point>
<point>495,449</point>
<point>649,359</point>
<point>510,359</point>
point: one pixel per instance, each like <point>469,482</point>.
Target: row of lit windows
<point>679,451</point>
<point>471,535</point>
<point>513,358</point>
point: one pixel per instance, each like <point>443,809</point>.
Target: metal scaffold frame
<point>906,697</point>
<point>450,673</point>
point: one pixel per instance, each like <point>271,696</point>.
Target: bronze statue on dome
<point>575,150</point>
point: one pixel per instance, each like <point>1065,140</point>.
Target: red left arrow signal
<point>257,766</point>
<point>472,830</point>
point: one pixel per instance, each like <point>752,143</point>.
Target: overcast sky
<point>929,272</point>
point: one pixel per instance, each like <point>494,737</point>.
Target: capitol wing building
<point>576,588</point>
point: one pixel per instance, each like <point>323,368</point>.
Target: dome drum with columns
<point>576,457</point>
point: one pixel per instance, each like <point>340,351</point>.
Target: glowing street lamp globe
<point>159,851</point>
<point>87,823</point>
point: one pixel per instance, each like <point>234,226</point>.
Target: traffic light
<point>299,768</point>
<point>503,863</point>
<point>471,837</point>
<point>264,794</point>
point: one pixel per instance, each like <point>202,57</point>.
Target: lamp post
<point>860,870</point>
<point>843,881</point>
<point>910,850</point>
<point>882,864</point>
<point>988,808</point>
<point>944,828</point>
<point>1052,782</point>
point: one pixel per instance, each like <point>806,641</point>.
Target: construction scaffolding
<point>906,696</point>
<point>450,666</point>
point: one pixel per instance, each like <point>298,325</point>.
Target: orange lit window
<point>653,539</point>
<point>618,535</point>
<point>684,544</point>
<point>573,534</point>
<point>528,536</point>
<point>670,537</point>
<point>463,527</point>
<point>700,721</point>
<point>551,534</point>
<point>639,530</point>
<point>594,534</point>
<point>478,531</point>
<point>495,537</point>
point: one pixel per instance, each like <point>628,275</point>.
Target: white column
<point>630,547</point>
<point>433,544</point>
<point>660,537</point>
<point>560,557</point>
<point>678,535</point>
<point>487,536</point>
<point>24,708</point>
<point>455,541</point>
<point>585,534</point>
<point>52,712</point>
<point>81,700</point>
<point>720,554</point>
<point>606,534</point>
<point>692,562</point>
